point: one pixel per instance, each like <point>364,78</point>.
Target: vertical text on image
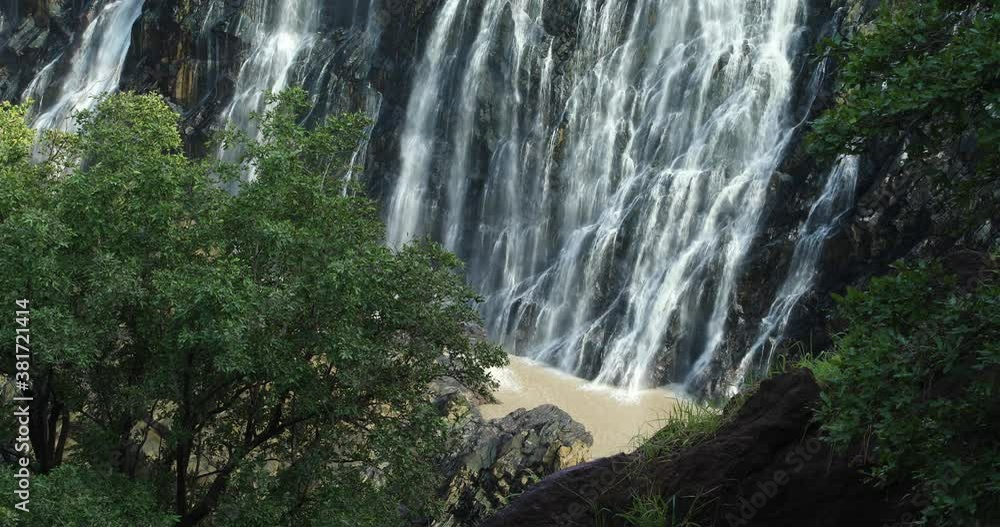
<point>22,403</point>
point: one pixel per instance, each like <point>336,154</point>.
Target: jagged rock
<point>28,36</point>
<point>493,461</point>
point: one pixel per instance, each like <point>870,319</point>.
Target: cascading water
<point>283,47</point>
<point>287,49</point>
<point>824,218</point>
<point>95,67</point>
<point>407,205</point>
<point>279,33</point>
<point>373,105</point>
<point>607,224</point>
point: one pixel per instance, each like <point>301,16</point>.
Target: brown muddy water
<point>616,419</point>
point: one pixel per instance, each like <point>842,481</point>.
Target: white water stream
<point>94,68</point>
<point>824,218</point>
<point>279,32</point>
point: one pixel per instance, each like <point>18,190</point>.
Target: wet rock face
<point>191,52</point>
<point>493,461</point>
<point>560,20</point>
<point>32,33</point>
<point>900,212</point>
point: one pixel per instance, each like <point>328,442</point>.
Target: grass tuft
<point>686,426</point>
<point>655,511</point>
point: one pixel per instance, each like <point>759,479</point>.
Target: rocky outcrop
<point>492,461</point>
<point>764,467</point>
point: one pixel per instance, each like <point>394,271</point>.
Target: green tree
<point>79,496</point>
<point>924,74</point>
<point>913,380</point>
<point>259,358</point>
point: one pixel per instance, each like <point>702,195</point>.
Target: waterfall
<point>373,106</point>
<point>603,174</point>
<point>834,202</point>
<point>279,33</point>
<point>407,204</point>
<point>95,66</point>
<point>621,187</point>
<point>286,48</point>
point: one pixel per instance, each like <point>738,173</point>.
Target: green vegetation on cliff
<point>915,381</point>
<point>924,71</point>
<point>251,360</point>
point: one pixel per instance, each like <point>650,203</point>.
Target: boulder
<point>493,461</point>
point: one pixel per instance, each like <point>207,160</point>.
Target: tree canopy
<point>912,382</point>
<point>257,358</point>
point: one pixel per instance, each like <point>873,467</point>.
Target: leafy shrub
<point>914,379</point>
